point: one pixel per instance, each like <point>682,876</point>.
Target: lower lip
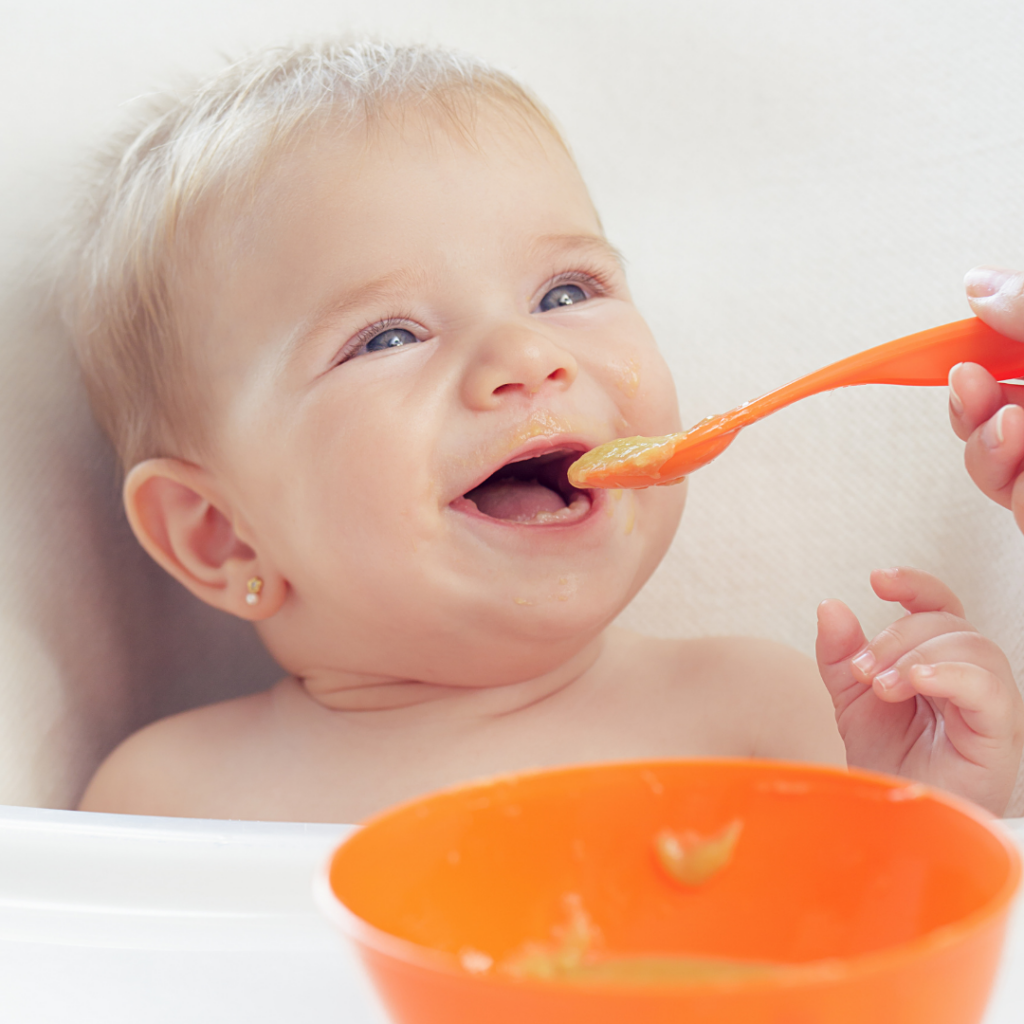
<point>463,506</point>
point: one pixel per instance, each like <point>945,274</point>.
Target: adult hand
<point>984,413</point>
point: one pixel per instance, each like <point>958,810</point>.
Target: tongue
<point>518,500</point>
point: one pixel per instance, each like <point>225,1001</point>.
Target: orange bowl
<point>874,899</point>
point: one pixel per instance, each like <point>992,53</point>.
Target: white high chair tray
<point>114,919</point>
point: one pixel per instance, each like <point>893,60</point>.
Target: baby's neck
<point>351,692</point>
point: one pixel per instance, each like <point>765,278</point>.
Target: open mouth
<point>534,491</point>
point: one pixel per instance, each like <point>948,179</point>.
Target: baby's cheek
<point>659,509</point>
<point>624,374</point>
<point>646,383</point>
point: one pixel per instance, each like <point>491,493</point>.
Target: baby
<point>347,315</point>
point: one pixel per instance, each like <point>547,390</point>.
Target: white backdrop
<point>790,181</point>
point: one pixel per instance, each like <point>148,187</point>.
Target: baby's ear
<point>180,517</point>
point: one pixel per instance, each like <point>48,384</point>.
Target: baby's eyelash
<point>371,331</point>
<point>597,281</point>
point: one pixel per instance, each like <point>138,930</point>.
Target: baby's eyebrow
<point>594,245</point>
<point>339,305</point>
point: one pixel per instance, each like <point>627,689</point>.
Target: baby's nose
<point>516,360</point>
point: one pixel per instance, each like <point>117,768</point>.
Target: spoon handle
<point>923,359</point>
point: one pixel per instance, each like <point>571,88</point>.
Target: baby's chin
<point>508,628</point>
<point>475,598</point>
<point>568,597</point>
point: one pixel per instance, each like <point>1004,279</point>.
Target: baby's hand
<point>929,697</point>
<point>986,414</point>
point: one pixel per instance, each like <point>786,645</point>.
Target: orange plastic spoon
<point>922,359</point>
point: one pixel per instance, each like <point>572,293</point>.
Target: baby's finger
<point>895,682</point>
<point>916,590</point>
<point>839,637</point>
<point>995,452</point>
<point>985,702</point>
<point>911,637</point>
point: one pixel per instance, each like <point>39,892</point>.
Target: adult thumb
<point>997,297</point>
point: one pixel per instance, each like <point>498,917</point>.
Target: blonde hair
<point>193,151</point>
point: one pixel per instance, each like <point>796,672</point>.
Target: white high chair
<point>790,182</point>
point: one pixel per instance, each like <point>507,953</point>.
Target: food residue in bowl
<point>575,956</point>
<point>690,858</point>
<point>574,943</point>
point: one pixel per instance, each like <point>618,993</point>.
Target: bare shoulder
<point>181,766</point>
<point>762,698</point>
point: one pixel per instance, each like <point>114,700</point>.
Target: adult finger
<point>916,590</point>
<point>975,396</point>
<point>994,454</point>
<point>997,296</point>
<point>1017,502</point>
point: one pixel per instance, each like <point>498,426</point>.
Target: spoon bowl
<point>922,359</point>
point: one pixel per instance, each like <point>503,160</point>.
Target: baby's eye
<point>563,295</point>
<point>393,337</point>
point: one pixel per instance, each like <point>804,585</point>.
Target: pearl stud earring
<point>253,588</point>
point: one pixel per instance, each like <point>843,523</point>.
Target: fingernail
<point>992,431</point>
<point>954,399</point>
<point>891,573</point>
<point>865,662</point>
<point>888,679</point>
<point>982,282</point>
<point>924,671</point>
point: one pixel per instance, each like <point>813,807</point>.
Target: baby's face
<point>408,343</point>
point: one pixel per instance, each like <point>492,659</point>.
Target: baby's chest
<point>360,771</point>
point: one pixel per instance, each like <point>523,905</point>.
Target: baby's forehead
<point>482,126</point>
<point>334,179</point>
<point>339,153</point>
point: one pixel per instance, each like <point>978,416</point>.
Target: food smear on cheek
<point>626,377</point>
